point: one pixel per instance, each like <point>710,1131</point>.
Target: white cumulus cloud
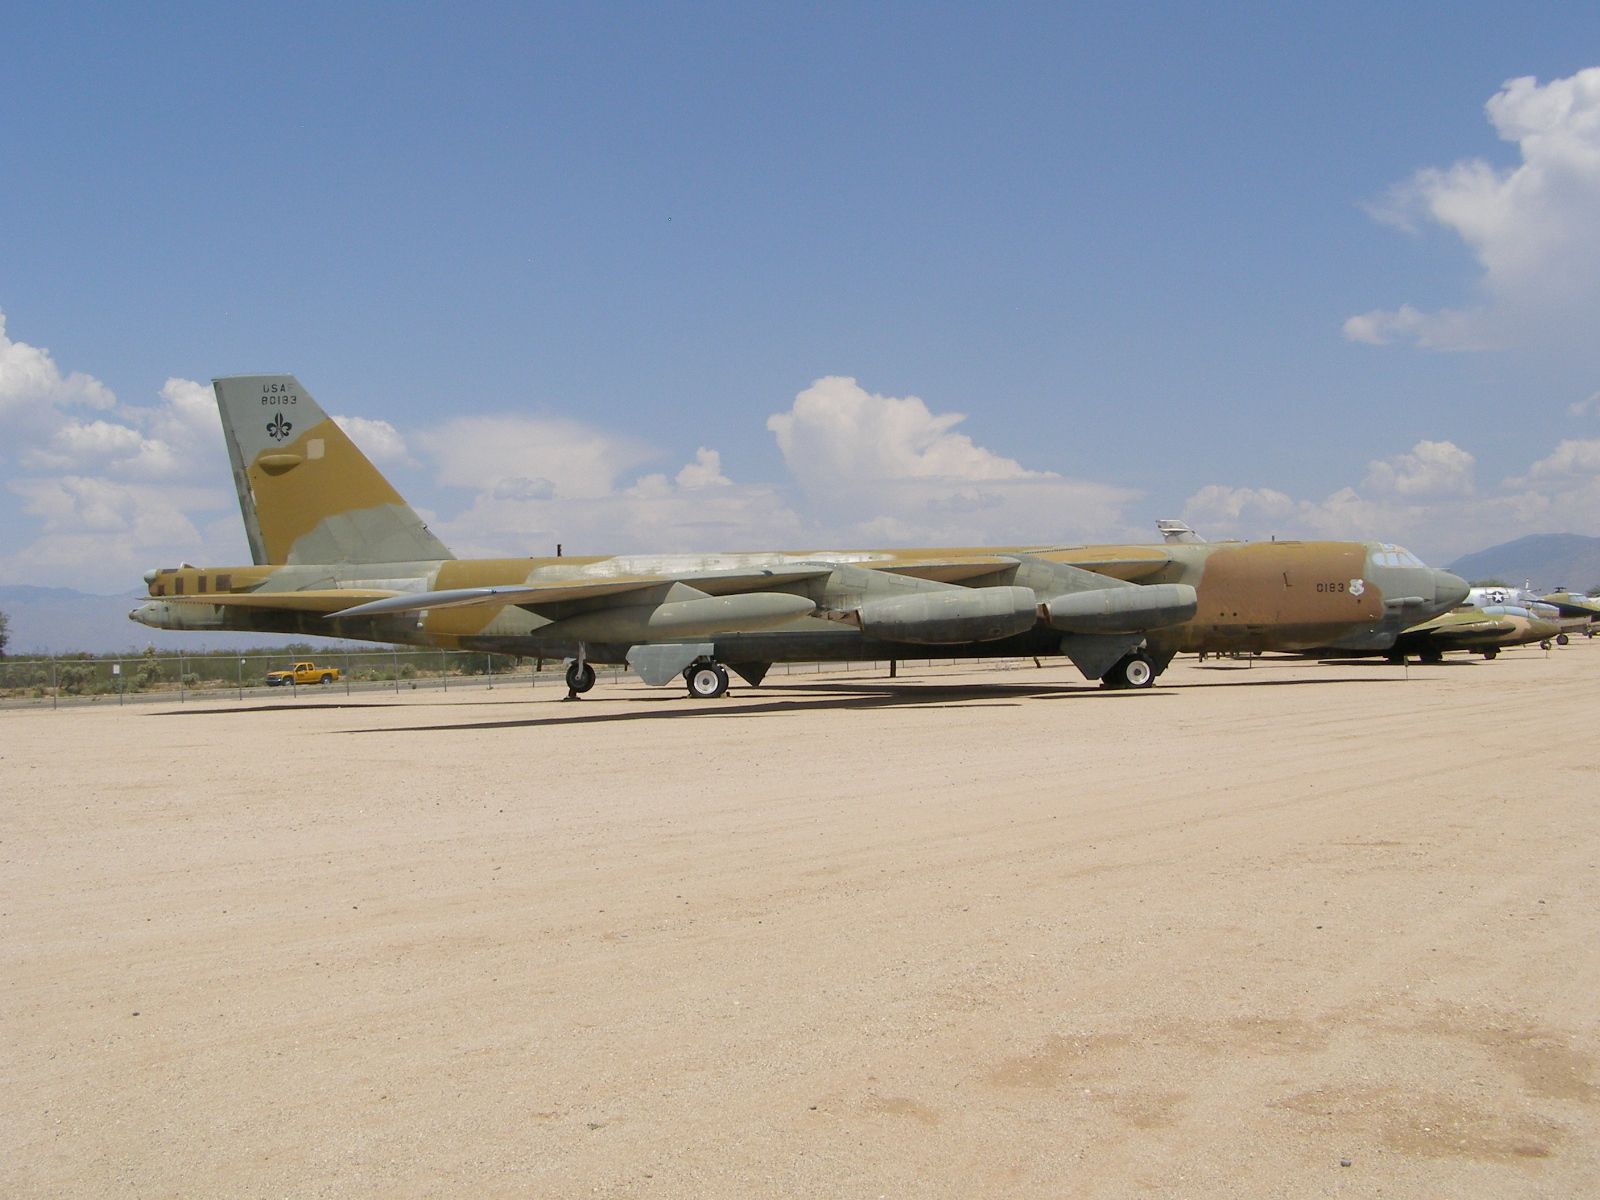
<point>1582,408</point>
<point>106,489</point>
<point>883,469</point>
<point>1531,226</point>
<point>511,454</point>
<point>1425,497</point>
<point>1428,469</point>
<point>1573,457</point>
<point>30,382</point>
<point>379,440</point>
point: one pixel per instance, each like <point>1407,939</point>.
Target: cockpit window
<point>1389,555</point>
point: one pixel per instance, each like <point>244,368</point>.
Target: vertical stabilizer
<point>307,493</point>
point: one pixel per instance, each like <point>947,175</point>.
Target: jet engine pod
<point>945,618</point>
<point>1122,609</point>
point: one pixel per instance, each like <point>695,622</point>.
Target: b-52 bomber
<point>337,553</point>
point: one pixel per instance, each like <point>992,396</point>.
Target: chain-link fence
<point>80,679</point>
<point>171,676</point>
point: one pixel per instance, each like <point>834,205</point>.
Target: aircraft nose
<point>1449,590</point>
<point>145,614</point>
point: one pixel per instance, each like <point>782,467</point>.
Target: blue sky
<point>722,277</point>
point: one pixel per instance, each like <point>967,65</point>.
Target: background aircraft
<point>1583,612</point>
<point>338,553</point>
<point>1486,630</point>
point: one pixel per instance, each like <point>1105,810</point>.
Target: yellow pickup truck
<point>302,672</point>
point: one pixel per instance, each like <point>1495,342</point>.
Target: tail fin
<point>308,495</point>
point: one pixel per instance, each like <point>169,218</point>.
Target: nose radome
<point>1449,589</point>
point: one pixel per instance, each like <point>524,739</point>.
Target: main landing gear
<point>1134,670</point>
<point>706,679</point>
<point>580,678</point>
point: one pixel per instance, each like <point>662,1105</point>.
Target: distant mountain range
<point>1546,560</point>
<point>47,620</point>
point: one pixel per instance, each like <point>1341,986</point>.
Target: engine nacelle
<point>1122,609</point>
<point>945,618</point>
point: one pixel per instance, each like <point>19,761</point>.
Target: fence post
<point>444,674</point>
<point>241,679</point>
<point>53,698</point>
<point>395,655</point>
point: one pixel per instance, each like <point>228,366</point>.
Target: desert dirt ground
<point>1280,930</point>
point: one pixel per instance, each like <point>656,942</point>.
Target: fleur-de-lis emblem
<point>279,428</point>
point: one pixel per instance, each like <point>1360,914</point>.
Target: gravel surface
<point>1276,930</point>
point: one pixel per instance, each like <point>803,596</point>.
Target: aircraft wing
<point>541,594</point>
<point>946,570</point>
<point>1127,563</point>
<point>1572,608</point>
<point>1130,563</point>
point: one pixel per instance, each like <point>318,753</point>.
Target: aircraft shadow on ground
<point>795,698</point>
<point>1366,664</point>
<point>787,698</point>
<point>1283,683</point>
<point>269,708</point>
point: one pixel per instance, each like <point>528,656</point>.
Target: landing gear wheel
<point>706,681</point>
<point>1491,653</point>
<point>1130,671</point>
<point>580,677</point>
<point>1545,645</point>
<point>1431,657</point>
<point>1562,639</point>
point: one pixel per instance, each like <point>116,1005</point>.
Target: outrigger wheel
<point>580,676</point>
<point>1130,671</point>
<point>706,680</point>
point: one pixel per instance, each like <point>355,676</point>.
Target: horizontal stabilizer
<point>318,600</point>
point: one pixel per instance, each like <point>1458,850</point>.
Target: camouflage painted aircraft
<point>338,553</point>
<point>1582,611</point>
<point>1481,629</point>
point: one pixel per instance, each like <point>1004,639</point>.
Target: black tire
<point>1562,639</point>
<point>580,677</point>
<point>1491,653</point>
<point>325,680</point>
<point>1545,645</point>
<point>1134,671</point>
<point>1432,657</point>
<point>706,681</point>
